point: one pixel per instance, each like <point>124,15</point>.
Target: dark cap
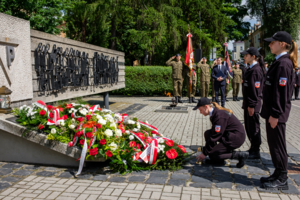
<point>204,58</point>
<point>201,102</point>
<point>252,51</point>
<point>266,62</point>
<point>178,54</point>
<point>281,36</point>
<point>297,68</point>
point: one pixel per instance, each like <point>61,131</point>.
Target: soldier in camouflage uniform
<point>212,83</point>
<point>191,80</point>
<point>177,75</point>
<point>205,77</point>
<point>236,81</point>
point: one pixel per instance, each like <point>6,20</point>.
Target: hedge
<point>149,81</point>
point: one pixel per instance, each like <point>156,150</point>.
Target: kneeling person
<point>226,135</point>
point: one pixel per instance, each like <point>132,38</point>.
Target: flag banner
<point>189,55</point>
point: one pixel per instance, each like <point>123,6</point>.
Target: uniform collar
<point>211,111</point>
<point>279,55</point>
<point>254,63</point>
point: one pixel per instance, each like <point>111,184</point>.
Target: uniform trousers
<point>226,89</point>
<point>252,127</point>
<point>297,91</point>
<point>222,88</point>
<point>217,151</point>
<point>177,87</point>
<point>235,89</point>
<point>277,145</point>
<point>204,88</point>
<point>191,93</point>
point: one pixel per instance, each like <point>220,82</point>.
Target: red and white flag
<point>189,55</point>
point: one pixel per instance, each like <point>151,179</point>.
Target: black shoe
<point>193,100</point>
<point>297,98</point>
<point>179,100</point>
<point>254,155</point>
<point>176,100</point>
<point>234,98</point>
<point>279,183</point>
<point>237,98</point>
<point>292,99</point>
<point>190,99</point>
<point>226,99</point>
<point>209,161</point>
<point>273,177</point>
<point>241,156</point>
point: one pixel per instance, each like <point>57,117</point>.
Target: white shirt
<point>212,109</point>
<point>279,55</point>
<point>254,63</point>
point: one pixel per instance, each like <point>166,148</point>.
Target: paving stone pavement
<point>24,181</point>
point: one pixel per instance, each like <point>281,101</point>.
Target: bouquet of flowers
<point>130,144</point>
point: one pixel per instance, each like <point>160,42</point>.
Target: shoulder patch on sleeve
<point>217,128</point>
<point>282,81</point>
<point>257,84</point>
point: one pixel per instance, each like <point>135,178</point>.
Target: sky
<point>246,19</point>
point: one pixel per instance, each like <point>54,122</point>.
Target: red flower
<point>65,117</point>
<point>171,154</point>
<point>103,141</point>
<point>42,112</point>
<point>80,119</point>
<point>50,107</point>
<point>51,115</point>
<point>109,153</point>
<point>89,134</point>
<point>60,109</point>
<point>88,117</point>
<point>141,135</point>
<point>132,144</point>
<point>149,140</point>
<point>94,151</point>
<point>138,146</point>
<point>41,126</point>
<point>98,126</point>
<point>153,132</point>
<point>72,115</point>
<point>79,133</point>
<point>81,142</point>
<point>69,106</point>
<point>182,148</point>
<point>170,143</point>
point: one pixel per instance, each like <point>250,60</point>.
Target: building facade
<point>238,48</point>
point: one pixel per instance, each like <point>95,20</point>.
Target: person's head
<point>204,60</point>
<point>205,106</point>
<point>266,64</point>
<point>178,57</point>
<point>251,55</point>
<point>297,70</point>
<point>237,65</point>
<point>219,60</point>
<point>281,42</point>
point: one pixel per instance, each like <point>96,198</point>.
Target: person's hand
<point>273,121</point>
<point>190,81</point>
<point>200,157</point>
<point>173,57</point>
<point>250,111</point>
<point>201,60</point>
<point>183,79</point>
<point>295,85</point>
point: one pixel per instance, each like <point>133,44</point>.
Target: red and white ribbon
<point>148,125</point>
<point>56,120</point>
<point>94,108</point>
<point>136,136</point>
<point>153,153</point>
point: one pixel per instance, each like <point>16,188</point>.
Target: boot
<point>179,100</point>
<point>209,161</point>
<point>241,156</point>
<point>194,100</point>
<point>176,100</point>
<point>279,183</point>
<point>254,155</point>
<point>234,98</point>
<point>190,99</point>
<point>237,98</point>
<point>273,177</point>
<point>226,98</point>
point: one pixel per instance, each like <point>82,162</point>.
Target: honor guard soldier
<point>226,134</point>
<point>177,75</point>
<point>252,96</point>
<point>297,84</point>
<point>236,81</point>
<point>205,76</point>
<point>191,81</point>
<point>212,82</point>
<point>276,107</point>
<point>219,74</point>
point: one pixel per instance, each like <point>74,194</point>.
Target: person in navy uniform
<point>219,74</point>
<point>297,84</point>
<point>277,93</point>
<point>226,134</point>
<point>252,95</point>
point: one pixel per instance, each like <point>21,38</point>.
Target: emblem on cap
<point>217,128</point>
<point>257,84</point>
<point>282,81</point>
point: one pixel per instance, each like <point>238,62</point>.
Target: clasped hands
<point>220,78</point>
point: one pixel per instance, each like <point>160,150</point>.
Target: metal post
<point>106,100</point>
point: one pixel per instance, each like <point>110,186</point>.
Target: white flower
<point>106,111</point>
<point>129,121</point>
<point>118,117</point>
<point>135,130</point>
<point>113,146</point>
<point>118,133</point>
<point>108,133</point>
<point>99,117</point>
<point>113,125</point>
<point>131,137</point>
<point>160,141</point>
<point>83,112</point>
<point>146,122</point>
<point>102,121</point>
<point>73,120</point>
<point>70,111</point>
<point>72,126</point>
<point>138,125</point>
<point>62,123</point>
<point>53,131</point>
<point>32,117</point>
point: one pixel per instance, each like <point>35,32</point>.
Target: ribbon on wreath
<point>56,120</point>
<point>94,108</point>
<point>123,117</point>
<point>136,135</point>
<point>76,136</point>
<point>43,106</point>
<point>148,125</point>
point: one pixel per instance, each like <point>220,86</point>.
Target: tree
<point>44,15</point>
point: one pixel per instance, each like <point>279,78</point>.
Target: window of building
<point>241,48</point>
<point>234,48</point>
